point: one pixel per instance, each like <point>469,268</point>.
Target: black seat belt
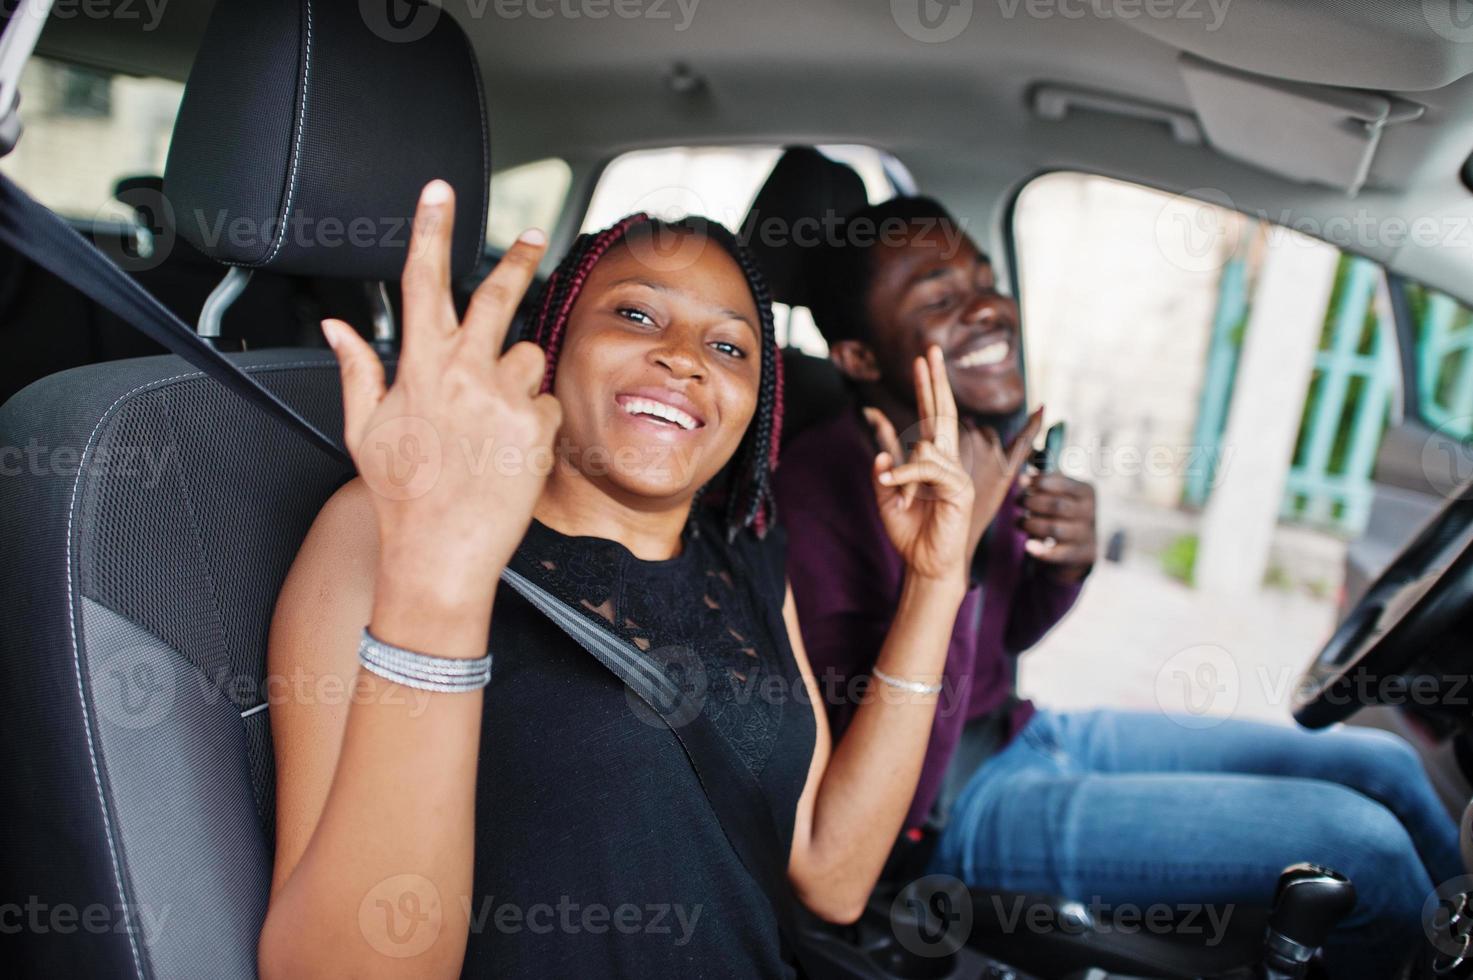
<point>37,233</point>
<point>730,787</point>
<point>40,235</point>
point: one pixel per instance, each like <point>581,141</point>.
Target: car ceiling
<point>957,112</point>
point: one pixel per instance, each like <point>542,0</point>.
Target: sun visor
<point>1317,134</point>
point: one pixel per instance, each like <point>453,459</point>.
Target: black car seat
<point>805,194</point>
<point>151,515</point>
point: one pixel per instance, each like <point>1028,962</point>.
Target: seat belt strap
<point>735,795</point>
<point>37,233</point>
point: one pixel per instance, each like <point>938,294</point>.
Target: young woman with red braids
<point>432,824</point>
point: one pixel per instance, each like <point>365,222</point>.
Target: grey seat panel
<point>197,859</point>
<point>146,525</point>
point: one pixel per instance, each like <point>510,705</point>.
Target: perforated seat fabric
<point>147,517</point>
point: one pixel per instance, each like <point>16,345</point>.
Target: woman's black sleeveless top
<point>597,852</point>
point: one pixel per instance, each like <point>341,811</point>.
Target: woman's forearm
<point>381,889</point>
<point>872,774</point>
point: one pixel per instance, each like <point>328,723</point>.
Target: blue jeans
<point>1121,808</point>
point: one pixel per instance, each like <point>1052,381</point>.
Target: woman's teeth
<point>659,410</point>
<point>993,353</point>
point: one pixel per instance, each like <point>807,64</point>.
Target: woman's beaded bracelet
<point>420,670</point>
<point>911,687</point>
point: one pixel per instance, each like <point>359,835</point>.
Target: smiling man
<point>1108,807</point>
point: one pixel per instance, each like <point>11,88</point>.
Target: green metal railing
<point>1444,360</point>
<point>1345,413</point>
<point>1228,324</point>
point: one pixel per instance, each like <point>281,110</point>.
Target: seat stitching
<point>77,665</point>
<point>485,140</point>
<point>199,540</point>
<point>291,191</point>
<point>108,832</point>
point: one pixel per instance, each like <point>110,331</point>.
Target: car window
<point>85,129</point>
<point>1227,383</point>
<point>1444,359</point>
<point>720,182</point>
<point>527,196</point>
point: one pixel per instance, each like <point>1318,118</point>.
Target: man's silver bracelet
<point>420,670</point>
<point>911,687</point>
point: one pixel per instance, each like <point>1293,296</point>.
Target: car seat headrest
<point>805,194</point>
<point>307,130</point>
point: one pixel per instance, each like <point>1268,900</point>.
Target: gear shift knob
<point>1308,902</point>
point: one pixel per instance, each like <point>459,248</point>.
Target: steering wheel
<point>1420,595</point>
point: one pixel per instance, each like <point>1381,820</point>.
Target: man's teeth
<point>993,353</point>
<point>648,406</point>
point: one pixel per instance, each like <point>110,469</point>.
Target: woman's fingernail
<point>886,479</point>
<point>330,333</point>
<point>435,192</point>
<point>533,236</point>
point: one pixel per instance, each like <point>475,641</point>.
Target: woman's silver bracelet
<point>420,670</point>
<point>911,687</point>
